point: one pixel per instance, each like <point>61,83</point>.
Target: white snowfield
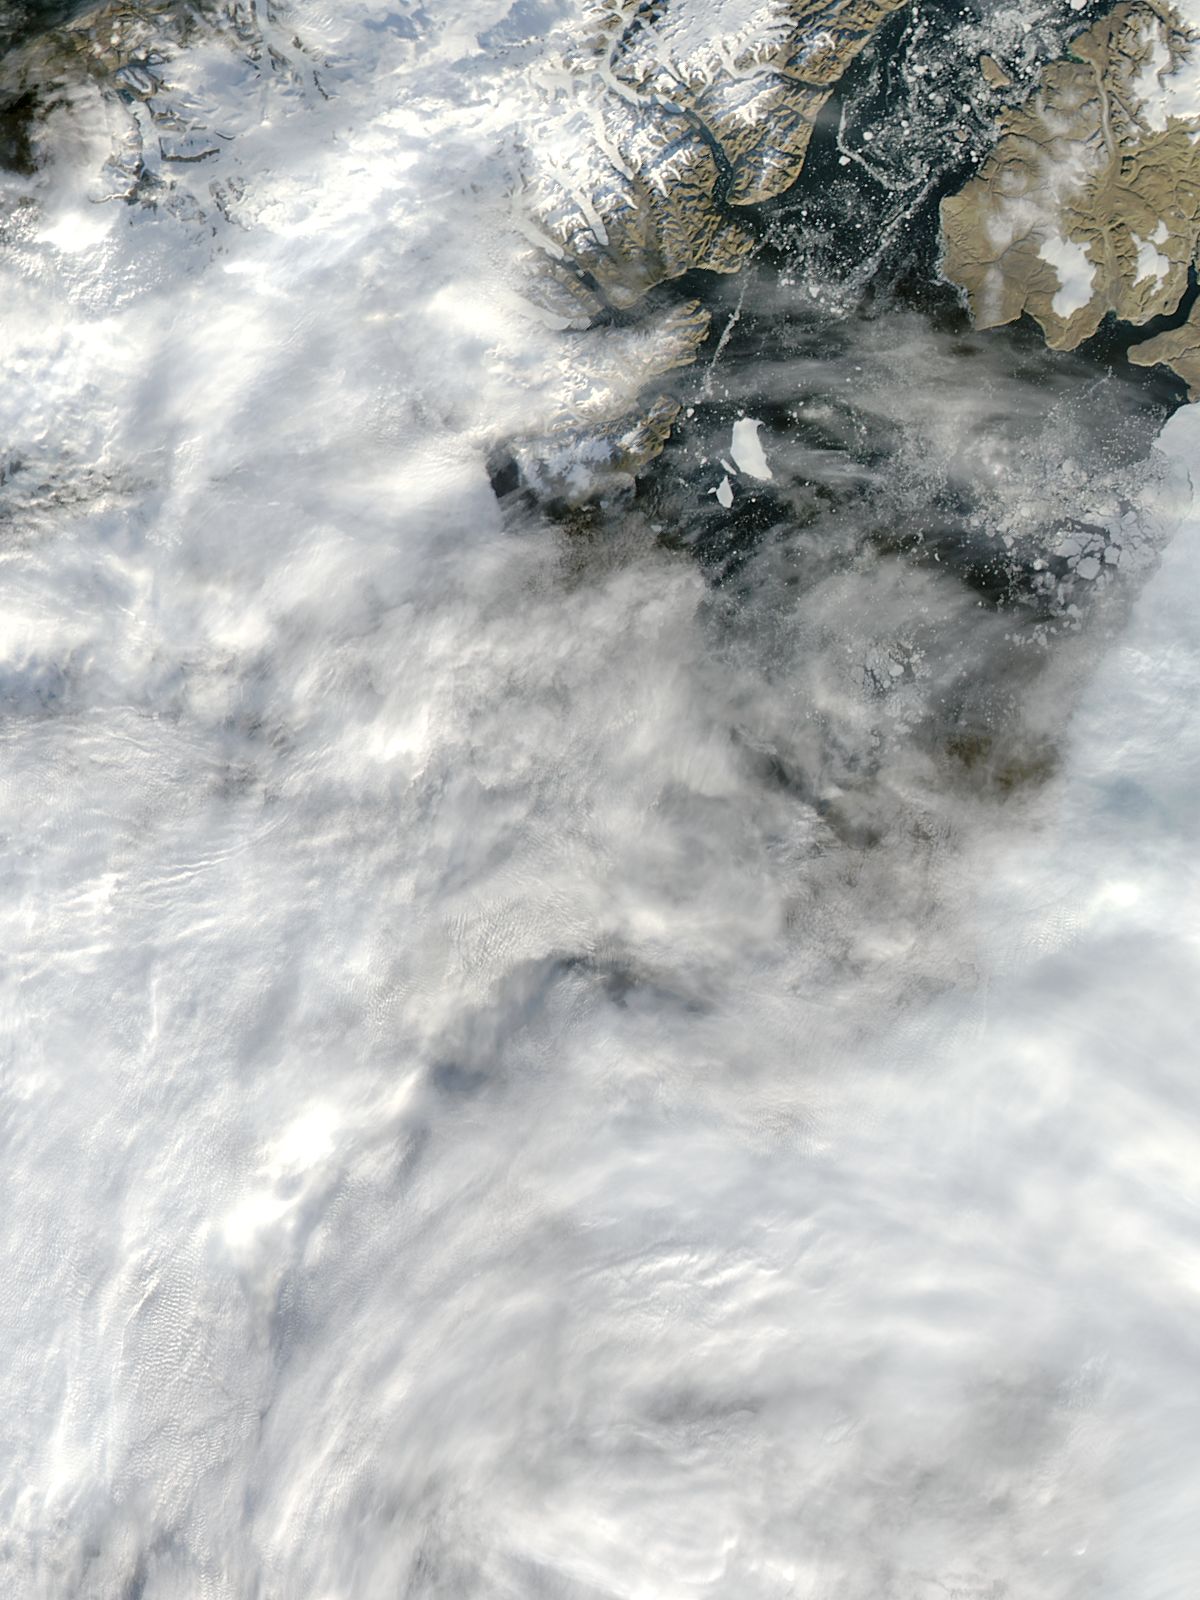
<point>450,1148</point>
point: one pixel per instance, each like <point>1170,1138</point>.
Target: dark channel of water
<point>929,481</point>
<point>844,307</point>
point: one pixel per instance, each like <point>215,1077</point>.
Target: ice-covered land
<point>640,1053</point>
<point>1090,203</point>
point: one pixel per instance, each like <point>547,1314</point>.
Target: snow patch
<point>1150,262</point>
<point>1076,274</point>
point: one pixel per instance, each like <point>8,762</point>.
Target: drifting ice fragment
<point>746,449</point>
